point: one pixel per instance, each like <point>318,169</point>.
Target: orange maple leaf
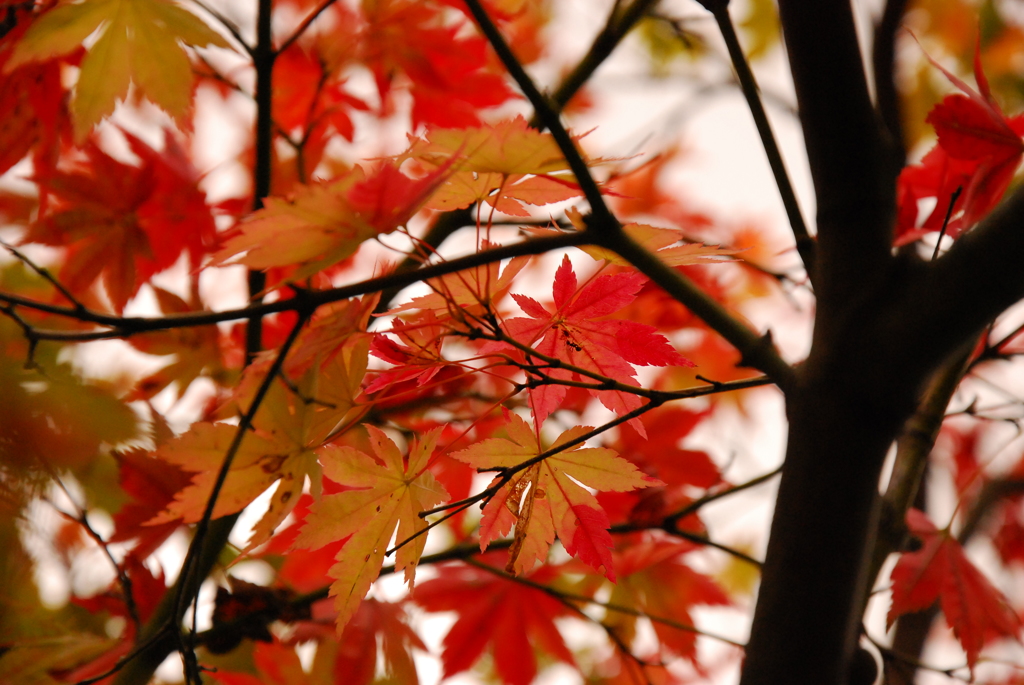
<point>289,428</point>
<point>389,493</point>
<point>551,496</point>
<point>507,165</point>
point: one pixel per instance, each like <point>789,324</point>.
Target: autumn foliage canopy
<point>344,274</point>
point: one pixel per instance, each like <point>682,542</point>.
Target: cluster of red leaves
<point>968,170</point>
<point>579,333</point>
<point>120,222</point>
<point>975,610</point>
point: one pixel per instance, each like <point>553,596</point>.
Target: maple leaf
<point>449,72</point>
<point>392,492</point>
<point>151,484</point>
<point>978,152</point>
<point>661,456</point>
<point>510,619</point>
<point>974,609</point>
<point>669,244</point>
<point>277,664</point>
<point>147,589</point>
<point>55,420</point>
<point>419,359</point>
<point>288,427</point>
<point>196,350</point>
<point>507,165</point>
<point>33,111</point>
<point>334,328</point>
<point>309,96</point>
<point>124,223</point>
<point>375,622</point>
<point>473,290</point>
<point>321,224</point>
<point>140,42</point>
<point>551,496</point>
<point>656,581</point>
<point>1009,537</point>
<point>576,333</point>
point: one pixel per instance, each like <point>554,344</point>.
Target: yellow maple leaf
<point>140,43</point>
<point>508,165</point>
<point>391,494</point>
<point>289,426</point>
<point>315,225</point>
<point>551,496</point>
<point>321,224</point>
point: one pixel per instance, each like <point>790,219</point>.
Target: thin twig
<point>124,326</point>
<point>45,274</point>
<point>619,23</point>
<point>611,606</point>
<point>805,244</point>
<point>548,116</point>
<point>228,25</point>
<point>304,26</point>
<point>122,576</point>
<point>244,426</point>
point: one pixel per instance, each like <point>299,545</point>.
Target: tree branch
<point>845,145</point>
<point>805,244</point>
<point>883,59</point>
<point>615,29</point>
<point>976,280</point>
<point>757,351</point>
<point>123,327</point>
<point>548,116</point>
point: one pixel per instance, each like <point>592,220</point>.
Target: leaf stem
<point>304,26</point>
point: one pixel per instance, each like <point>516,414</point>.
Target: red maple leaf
<point>577,332</point>
<point>448,71</point>
<point>121,222</point>
<point>151,483</point>
<point>1009,538</point>
<point>510,619</point>
<point>974,161</point>
<point>33,104</point>
<point>975,610</point>
<point>419,359</point>
<point>656,580</point>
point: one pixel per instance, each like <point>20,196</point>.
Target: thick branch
<point>883,59</point>
<point>845,143</point>
<point>912,451</point>
<point>979,278</point>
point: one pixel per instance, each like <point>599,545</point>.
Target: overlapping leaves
<point>975,610</point>
<point>388,493</point>
<point>551,495</point>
